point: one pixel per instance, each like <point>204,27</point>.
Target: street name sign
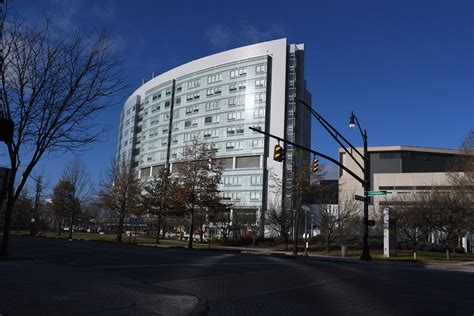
<point>375,193</point>
<point>360,198</point>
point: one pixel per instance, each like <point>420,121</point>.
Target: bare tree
<point>414,216</point>
<point>121,193</point>
<point>157,197</point>
<point>78,176</point>
<point>198,179</point>
<point>54,87</point>
<point>61,202</point>
<point>299,189</point>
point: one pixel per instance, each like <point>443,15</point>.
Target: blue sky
<point>404,67</point>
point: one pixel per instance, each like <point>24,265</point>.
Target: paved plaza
<point>58,277</point>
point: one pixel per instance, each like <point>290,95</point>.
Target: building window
<point>211,119</point>
<point>255,196</point>
<point>254,180</point>
<point>191,123</point>
<point>175,127</point>
<point>179,88</point>
<point>232,116</point>
<point>175,139</point>
<point>194,83</point>
<point>261,68</point>
<point>258,127</point>
<point>212,105</point>
<point>260,97</point>
<point>237,87</point>
<point>156,96</point>
<point>153,132</point>
<point>259,112</point>
<point>155,108</point>
<point>231,196</point>
<point>164,129</point>
<point>257,142</point>
<point>214,78</point>
<point>192,96</point>
<point>178,100</point>
<point>239,130</point>
<point>164,141</point>
<point>235,73</point>
<point>235,181</point>
<point>236,101</point>
<point>260,83</point>
<point>152,145</point>
<point>176,113</point>
<point>192,109</point>
<point>168,91</point>
<point>154,120</point>
<point>213,91</point>
<point>233,145</point>
<point>211,133</point>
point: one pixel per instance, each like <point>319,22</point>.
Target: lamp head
<point>352,123</point>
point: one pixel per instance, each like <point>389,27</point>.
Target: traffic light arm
<point>335,134</point>
<point>313,152</point>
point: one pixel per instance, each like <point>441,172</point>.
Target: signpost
<point>389,233</point>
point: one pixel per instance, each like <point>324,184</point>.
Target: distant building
<point>216,99</point>
<point>399,170</point>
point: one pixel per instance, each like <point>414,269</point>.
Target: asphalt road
<point>57,277</point>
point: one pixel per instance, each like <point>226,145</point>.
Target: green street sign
<point>375,193</point>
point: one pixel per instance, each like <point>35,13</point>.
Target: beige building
<point>399,170</point>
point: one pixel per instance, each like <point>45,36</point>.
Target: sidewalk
<point>455,266</point>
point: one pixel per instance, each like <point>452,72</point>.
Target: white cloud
<point>219,36</point>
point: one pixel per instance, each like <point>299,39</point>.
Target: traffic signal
<point>315,164</point>
<point>6,130</point>
<point>279,153</point>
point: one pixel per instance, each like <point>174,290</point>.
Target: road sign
<point>360,198</point>
<point>374,193</point>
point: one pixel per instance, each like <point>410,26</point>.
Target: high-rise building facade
<point>216,99</point>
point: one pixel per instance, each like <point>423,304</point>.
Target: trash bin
<point>343,251</point>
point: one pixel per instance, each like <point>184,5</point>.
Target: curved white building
<point>217,98</point>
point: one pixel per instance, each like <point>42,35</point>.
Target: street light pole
<point>365,240</point>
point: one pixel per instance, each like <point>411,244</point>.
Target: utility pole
<point>38,188</point>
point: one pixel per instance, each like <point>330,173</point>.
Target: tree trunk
<point>327,240</point>
<point>285,237</point>
<point>59,226</point>
<point>448,255</point>
<point>158,230</point>
<point>120,226</point>
<point>295,235</point>
<point>6,227</point>
<point>191,227</point>
<point>71,226</point>
<point>164,230</point>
